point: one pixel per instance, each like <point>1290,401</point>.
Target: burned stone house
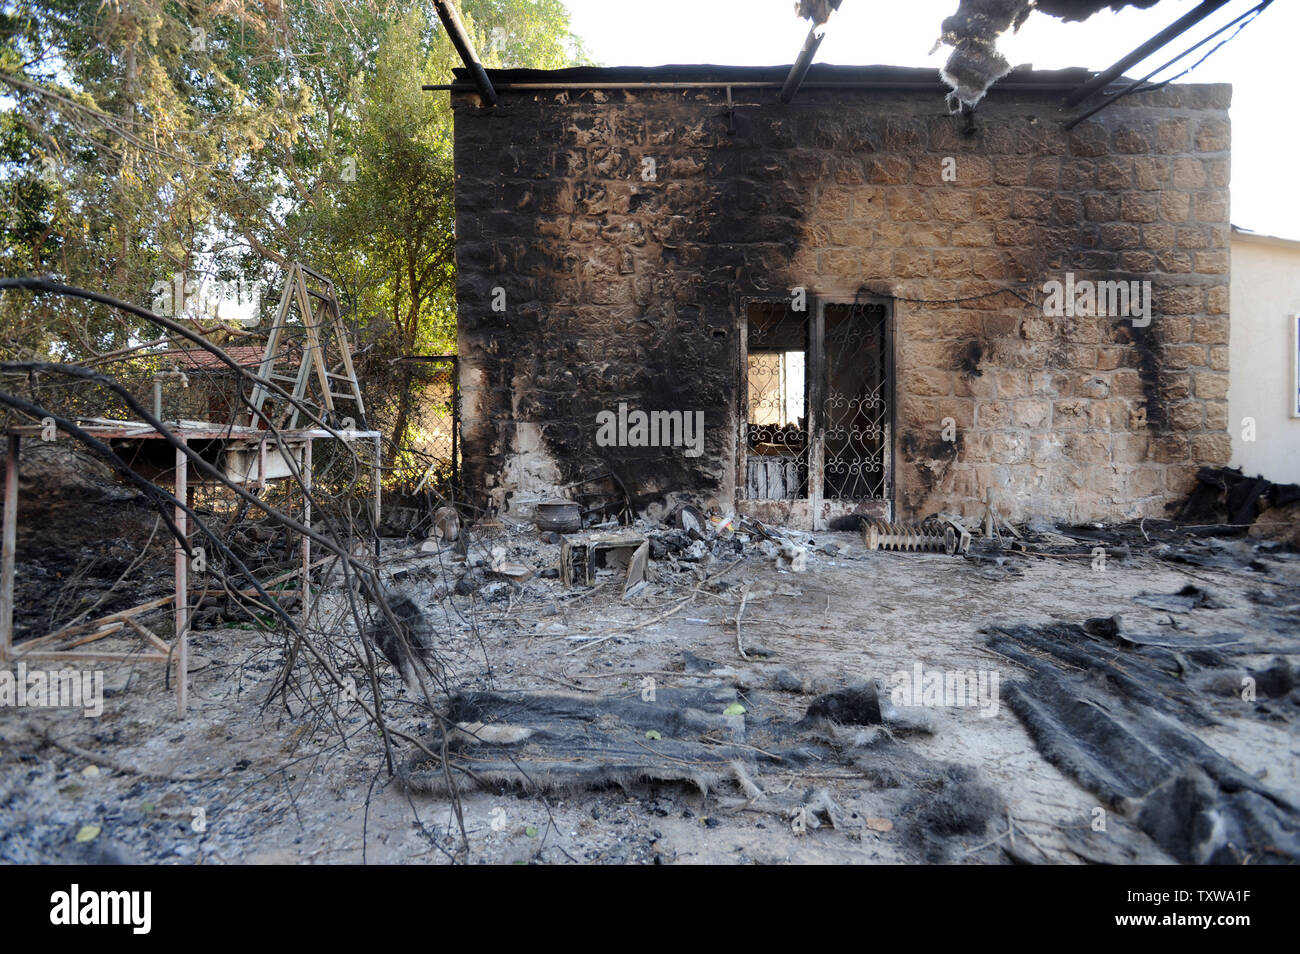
<point>854,289</point>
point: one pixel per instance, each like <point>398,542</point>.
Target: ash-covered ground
<point>1182,644</point>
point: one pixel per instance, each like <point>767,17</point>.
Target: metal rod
<point>747,84</point>
<point>804,62</point>
<point>460,40</point>
<point>1135,84</point>
<point>157,388</point>
<point>10,546</point>
<point>377,477</point>
<point>251,435</point>
<point>455,428</point>
<point>306,541</point>
<point>182,581</point>
<point>1175,29</point>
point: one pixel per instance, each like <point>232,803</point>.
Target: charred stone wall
<point>607,239</point>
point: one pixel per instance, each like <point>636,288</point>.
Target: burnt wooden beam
<point>460,40</point>
<point>804,62</point>
<point>1165,36</point>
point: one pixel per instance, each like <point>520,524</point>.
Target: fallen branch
<point>744,598</point>
<point>117,766</point>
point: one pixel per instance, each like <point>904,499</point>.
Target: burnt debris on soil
<point>1117,712</point>
<point>734,687</point>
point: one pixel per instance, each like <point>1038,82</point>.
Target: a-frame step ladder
<point>322,331</point>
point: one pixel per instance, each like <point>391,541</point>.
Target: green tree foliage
<point>141,139</point>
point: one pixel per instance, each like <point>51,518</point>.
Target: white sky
<point>1260,62</point>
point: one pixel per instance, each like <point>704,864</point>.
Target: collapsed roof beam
<point>804,63</point>
<point>460,40</point>
<point>1138,84</point>
<point>1165,36</point>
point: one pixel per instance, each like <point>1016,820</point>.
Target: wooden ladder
<point>322,326</point>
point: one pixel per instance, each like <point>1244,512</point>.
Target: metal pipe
<point>157,387</point>
<point>660,85</point>
<point>306,541</point>
<point>748,84</point>
<point>1175,29</point>
<point>455,428</point>
<point>1137,83</point>
<point>377,478</point>
<point>800,68</point>
<point>182,607</point>
<point>8,549</point>
<point>460,40</point>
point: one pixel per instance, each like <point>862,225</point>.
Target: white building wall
<point>1264,298</point>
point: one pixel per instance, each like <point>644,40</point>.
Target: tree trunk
<point>402,421</point>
